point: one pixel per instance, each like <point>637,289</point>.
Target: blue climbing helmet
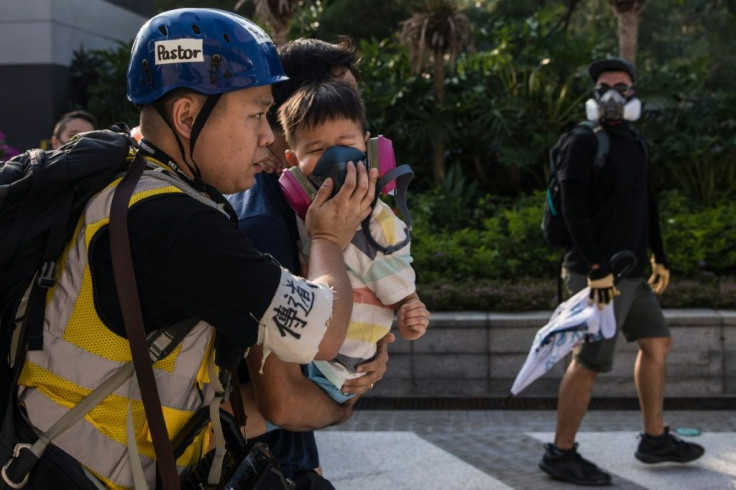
<point>209,51</point>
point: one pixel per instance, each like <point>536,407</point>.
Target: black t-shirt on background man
<point>611,209</point>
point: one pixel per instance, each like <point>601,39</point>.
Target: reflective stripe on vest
<point>79,352</point>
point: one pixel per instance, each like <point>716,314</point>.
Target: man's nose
<point>266,137</point>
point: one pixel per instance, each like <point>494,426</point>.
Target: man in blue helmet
<point>202,79</point>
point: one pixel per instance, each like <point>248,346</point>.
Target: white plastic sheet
<point>572,323</point>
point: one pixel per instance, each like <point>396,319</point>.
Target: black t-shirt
<point>190,260</point>
<point>610,209</point>
<point>268,220</point>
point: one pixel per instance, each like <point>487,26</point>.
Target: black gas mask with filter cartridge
<point>613,103</point>
<point>299,190</point>
<point>617,102</point>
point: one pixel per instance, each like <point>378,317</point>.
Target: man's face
<point>232,140</point>
<point>311,143</point>
<point>618,80</point>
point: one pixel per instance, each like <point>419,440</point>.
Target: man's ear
<point>367,137</point>
<point>291,159</point>
<point>184,111</point>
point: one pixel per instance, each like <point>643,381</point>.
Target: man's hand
<point>602,288</point>
<point>413,319</point>
<point>373,369</point>
<point>338,218</point>
<point>660,277</point>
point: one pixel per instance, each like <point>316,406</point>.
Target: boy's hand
<point>413,319</point>
<point>337,219</point>
<point>373,369</point>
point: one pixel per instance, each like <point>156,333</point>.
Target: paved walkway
<point>497,449</point>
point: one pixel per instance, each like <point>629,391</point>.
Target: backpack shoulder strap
<point>604,142</point>
<point>642,143</point>
<point>125,283</point>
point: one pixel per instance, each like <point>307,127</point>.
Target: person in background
<point>610,210</point>
<point>71,123</point>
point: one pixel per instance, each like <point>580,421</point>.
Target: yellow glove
<point>602,291</point>
<point>660,277</point>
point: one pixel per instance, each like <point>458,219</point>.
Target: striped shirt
<point>378,281</point>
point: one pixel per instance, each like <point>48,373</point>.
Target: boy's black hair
<point>317,103</point>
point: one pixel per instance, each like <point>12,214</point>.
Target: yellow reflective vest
<point>80,352</point>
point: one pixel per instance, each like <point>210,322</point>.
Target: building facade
<point>38,39</point>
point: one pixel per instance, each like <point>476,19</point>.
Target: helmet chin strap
<point>199,122</point>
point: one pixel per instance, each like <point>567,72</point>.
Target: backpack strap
<point>125,283</point>
<point>403,175</point>
<point>601,155</point>
<point>642,143</point>
<point>604,142</point>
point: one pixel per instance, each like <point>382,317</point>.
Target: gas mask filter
<point>610,104</point>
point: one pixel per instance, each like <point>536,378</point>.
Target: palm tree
<point>275,13</point>
<point>436,34</point>
<point>627,13</point>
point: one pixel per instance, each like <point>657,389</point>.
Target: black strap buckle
<point>47,276</point>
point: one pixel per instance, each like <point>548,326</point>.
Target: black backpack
<point>554,227</point>
<point>42,195</point>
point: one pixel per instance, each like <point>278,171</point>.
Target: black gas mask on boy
<point>613,103</point>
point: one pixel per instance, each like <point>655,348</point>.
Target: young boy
<point>315,118</point>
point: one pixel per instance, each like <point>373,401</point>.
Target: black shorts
<point>638,315</point>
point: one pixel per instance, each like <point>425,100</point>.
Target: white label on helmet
<point>296,320</point>
<point>179,51</point>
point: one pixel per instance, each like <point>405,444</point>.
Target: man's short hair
<point>69,116</point>
<point>313,61</point>
<point>316,103</point>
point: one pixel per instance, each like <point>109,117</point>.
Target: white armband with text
<point>295,322</point>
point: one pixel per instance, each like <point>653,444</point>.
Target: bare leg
<point>649,375</point>
<point>572,403</point>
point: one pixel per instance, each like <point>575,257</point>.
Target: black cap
<point>611,64</point>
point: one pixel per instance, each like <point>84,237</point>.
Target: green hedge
<point>536,294</point>
<point>490,255</point>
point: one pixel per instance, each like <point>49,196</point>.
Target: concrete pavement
<point>500,449</point>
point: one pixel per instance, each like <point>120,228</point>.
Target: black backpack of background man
<point>554,227</point>
<point>42,195</point>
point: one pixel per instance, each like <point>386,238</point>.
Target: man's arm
<point>288,399</point>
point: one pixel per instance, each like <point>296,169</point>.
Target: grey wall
<point>37,42</point>
<point>479,354</point>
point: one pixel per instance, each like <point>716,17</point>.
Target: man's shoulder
<point>264,198</point>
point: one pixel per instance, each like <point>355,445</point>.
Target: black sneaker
<point>667,448</point>
<point>569,466</point>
